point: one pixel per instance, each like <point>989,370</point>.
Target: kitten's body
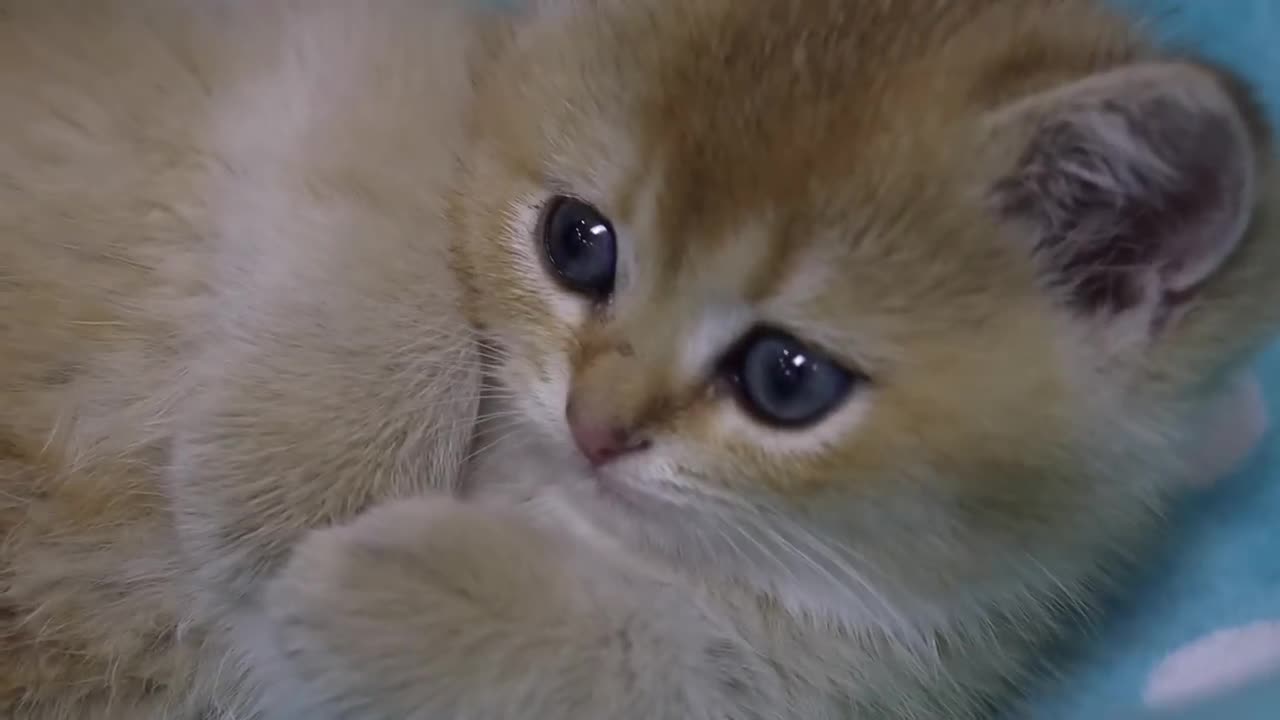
<point>159,163</point>
<point>242,275</point>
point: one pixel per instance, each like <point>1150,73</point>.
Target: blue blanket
<point>1207,618</point>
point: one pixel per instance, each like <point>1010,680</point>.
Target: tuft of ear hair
<point>1136,184</point>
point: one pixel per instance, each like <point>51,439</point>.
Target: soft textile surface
<point>1209,617</point>
<point>1199,639</point>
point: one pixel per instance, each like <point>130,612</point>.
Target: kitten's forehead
<point>780,103</point>
<point>757,105</point>
<point>777,150</point>
<point>734,122</point>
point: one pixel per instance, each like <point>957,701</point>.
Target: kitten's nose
<point>599,440</point>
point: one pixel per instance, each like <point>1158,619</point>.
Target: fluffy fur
<point>271,267</point>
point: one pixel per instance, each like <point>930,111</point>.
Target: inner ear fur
<point>1133,186</point>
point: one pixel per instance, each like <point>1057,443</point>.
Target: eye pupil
<point>783,383</point>
<point>788,377</point>
<point>580,247</point>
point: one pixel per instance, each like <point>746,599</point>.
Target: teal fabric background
<point>1243,34</point>
<point>1223,567</point>
<point>1221,570</point>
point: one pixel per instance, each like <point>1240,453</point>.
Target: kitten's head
<point>860,302</point>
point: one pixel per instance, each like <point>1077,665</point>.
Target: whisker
<point>514,433</point>
<point>845,559</point>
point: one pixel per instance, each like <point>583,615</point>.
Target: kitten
<point>642,358</point>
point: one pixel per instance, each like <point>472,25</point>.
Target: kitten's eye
<point>580,247</point>
<point>784,383</point>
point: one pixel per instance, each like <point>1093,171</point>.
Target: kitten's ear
<point>1135,185</point>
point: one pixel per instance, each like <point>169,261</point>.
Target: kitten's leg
<point>329,366</point>
<point>434,609</point>
<point>279,440</point>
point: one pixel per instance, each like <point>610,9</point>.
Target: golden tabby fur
<point>271,267</point>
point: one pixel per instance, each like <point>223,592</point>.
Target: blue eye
<point>783,382</point>
<point>580,247</point>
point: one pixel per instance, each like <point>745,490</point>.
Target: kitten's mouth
<point>616,491</point>
<point>606,486</point>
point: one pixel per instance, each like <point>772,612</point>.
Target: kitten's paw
<point>436,609</point>
<point>470,551</point>
<point>392,616</point>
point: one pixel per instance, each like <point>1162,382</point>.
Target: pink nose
<point>600,441</point>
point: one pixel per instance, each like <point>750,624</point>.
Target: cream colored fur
<point>283,376</point>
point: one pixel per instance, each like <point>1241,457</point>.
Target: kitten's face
<point>781,327</point>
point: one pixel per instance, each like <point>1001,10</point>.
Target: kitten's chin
<point>699,546</point>
<point>557,485</point>
<point>660,536</point>
<point>615,512</point>
<point>558,489</point>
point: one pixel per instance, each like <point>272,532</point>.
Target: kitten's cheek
<point>540,392</point>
